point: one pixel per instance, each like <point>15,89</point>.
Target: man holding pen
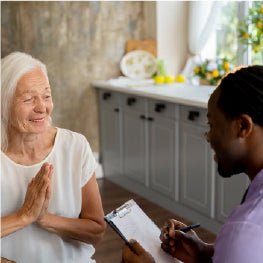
<point>235,119</point>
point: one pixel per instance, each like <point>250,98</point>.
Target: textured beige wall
<point>79,42</point>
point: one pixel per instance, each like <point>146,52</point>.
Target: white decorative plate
<point>138,65</point>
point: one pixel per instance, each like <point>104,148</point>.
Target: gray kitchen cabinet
<point>229,194</point>
<point>195,159</point>
<point>134,138</point>
<point>110,132</point>
<point>163,140</point>
<point>157,149</point>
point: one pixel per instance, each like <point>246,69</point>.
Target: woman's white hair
<point>13,67</point>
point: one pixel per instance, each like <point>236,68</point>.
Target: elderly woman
<point>51,208</point>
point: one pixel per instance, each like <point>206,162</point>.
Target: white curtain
<point>203,17</point>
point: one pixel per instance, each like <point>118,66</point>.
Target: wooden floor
<point>110,248</point>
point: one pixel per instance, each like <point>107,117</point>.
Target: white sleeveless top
<point>74,165</point>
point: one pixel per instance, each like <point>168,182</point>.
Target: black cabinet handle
<point>106,95</point>
<point>142,117</point>
<point>150,119</point>
<point>193,115</point>
<point>116,109</point>
<point>159,107</point>
<point>131,101</point>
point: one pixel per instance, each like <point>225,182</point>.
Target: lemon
<point>169,79</point>
<point>245,35</point>
<point>180,79</point>
<point>159,79</point>
<point>261,10</point>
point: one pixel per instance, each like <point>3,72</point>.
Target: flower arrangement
<point>213,70</point>
<point>251,28</point>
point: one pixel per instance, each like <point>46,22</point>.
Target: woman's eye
<point>27,100</point>
<point>48,96</point>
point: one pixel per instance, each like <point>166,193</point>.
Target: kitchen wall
<point>171,34</point>
<point>85,41</point>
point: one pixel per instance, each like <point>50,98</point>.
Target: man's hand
<point>137,255</point>
<point>186,247</point>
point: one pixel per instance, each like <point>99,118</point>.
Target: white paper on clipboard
<point>135,224</point>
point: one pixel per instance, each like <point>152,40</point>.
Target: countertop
<point>181,93</point>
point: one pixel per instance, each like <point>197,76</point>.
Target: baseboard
<point>99,171</point>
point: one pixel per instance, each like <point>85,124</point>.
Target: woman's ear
<point>245,125</point>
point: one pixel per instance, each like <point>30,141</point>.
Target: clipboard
<point>130,222</point>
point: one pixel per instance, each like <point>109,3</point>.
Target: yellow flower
<point>261,10</point>
<point>245,35</point>
<point>226,65</point>
<point>196,70</point>
<point>259,25</point>
<point>215,73</point>
<point>255,48</point>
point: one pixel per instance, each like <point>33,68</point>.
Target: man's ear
<point>245,125</point>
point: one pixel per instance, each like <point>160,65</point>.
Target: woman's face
<point>32,103</point>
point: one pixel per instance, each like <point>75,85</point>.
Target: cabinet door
<point>134,148</point>
<point>162,155</point>
<point>110,135</point>
<point>195,168</point>
<point>229,194</point>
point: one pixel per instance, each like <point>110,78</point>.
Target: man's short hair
<point>241,92</point>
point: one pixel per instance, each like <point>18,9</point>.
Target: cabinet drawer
<point>133,102</point>
<point>109,97</point>
<point>162,109</point>
<point>195,115</point>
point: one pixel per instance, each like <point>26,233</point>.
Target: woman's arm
<point>12,223</point>
<point>89,227</point>
<point>36,199</point>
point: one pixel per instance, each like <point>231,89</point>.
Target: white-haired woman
<point>51,208</point>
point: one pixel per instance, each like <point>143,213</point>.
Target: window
<point>226,32</point>
<point>257,58</point>
<point>224,41</point>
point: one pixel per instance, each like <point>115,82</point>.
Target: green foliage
<point>251,28</point>
<point>227,32</point>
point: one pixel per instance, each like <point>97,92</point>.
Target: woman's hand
<point>37,195</point>
<point>137,255</point>
<point>47,197</point>
<point>89,227</point>
<point>186,247</point>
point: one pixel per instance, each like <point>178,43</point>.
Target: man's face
<point>223,139</point>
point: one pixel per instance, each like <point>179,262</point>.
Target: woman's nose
<point>40,105</point>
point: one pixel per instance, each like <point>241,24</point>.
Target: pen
<point>187,228</point>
